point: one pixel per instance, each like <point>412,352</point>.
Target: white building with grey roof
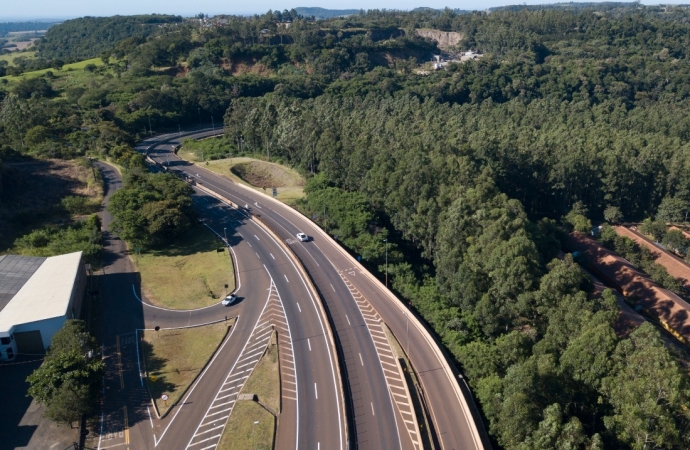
<point>37,296</point>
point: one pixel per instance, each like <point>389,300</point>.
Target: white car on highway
<point>302,237</point>
<point>229,300</point>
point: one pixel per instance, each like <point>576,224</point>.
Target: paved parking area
<point>22,425</point>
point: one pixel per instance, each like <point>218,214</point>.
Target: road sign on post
<point>157,328</point>
<point>165,397</point>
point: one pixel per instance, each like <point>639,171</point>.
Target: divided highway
<point>378,413</point>
<point>274,296</point>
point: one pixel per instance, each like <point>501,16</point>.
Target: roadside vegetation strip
<point>187,274</point>
<point>264,383</point>
<point>174,357</point>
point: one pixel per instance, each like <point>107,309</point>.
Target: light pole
<point>254,433</point>
<point>386,241</point>
<point>179,129</point>
<point>225,232</point>
<point>213,125</point>
<point>199,111</point>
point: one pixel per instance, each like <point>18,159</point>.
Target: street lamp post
<point>386,241</point>
<point>179,129</point>
<point>225,232</point>
<point>213,124</point>
<point>254,433</point>
<point>199,111</point>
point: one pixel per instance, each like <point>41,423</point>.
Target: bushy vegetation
<point>84,236</point>
<point>573,115</point>
<point>68,382</point>
<point>151,209</point>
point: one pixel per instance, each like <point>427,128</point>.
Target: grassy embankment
<point>241,432</point>
<point>254,173</point>
<point>187,274</point>
<point>173,358</point>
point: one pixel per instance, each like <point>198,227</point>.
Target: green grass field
<point>173,358</point>
<point>241,431</point>
<point>10,57</point>
<point>66,69</point>
<point>188,273</point>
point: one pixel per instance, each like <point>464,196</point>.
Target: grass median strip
<point>252,425</point>
<point>189,273</point>
<point>173,358</point>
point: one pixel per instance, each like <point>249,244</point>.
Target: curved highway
<point>356,301</point>
<point>273,296</point>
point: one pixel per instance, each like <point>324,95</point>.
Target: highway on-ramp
<point>273,296</point>
<point>356,301</point>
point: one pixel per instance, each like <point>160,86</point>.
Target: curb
<point>428,337</point>
<point>310,286</point>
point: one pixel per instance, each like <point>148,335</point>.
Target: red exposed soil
<point>676,267</point>
<point>631,282</point>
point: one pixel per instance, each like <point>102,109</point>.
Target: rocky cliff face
<point>444,39</point>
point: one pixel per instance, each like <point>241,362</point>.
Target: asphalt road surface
<point>272,294</point>
<point>374,419</point>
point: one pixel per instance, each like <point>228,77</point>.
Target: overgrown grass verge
<point>187,274</point>
<point>241,431</point>
<point>173,358</point>
<point>256,174</point>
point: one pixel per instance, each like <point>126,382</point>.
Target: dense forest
<point>473,173</point>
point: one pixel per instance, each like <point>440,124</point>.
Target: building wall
<point>77,299</point>
<point>47,328</point>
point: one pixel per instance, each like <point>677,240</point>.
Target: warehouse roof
<point>46,294</point>
<point>15,271</point>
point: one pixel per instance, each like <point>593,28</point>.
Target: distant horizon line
<point>29,18</point>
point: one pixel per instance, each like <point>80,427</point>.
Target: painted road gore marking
<point>208,432</point>
<point>392,375</point>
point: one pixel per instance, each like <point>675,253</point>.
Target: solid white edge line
<point>141,375</point>
<point>198,380</point>
<point>323,331</point>
<point>335,383</point>
<point>268,298</point>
